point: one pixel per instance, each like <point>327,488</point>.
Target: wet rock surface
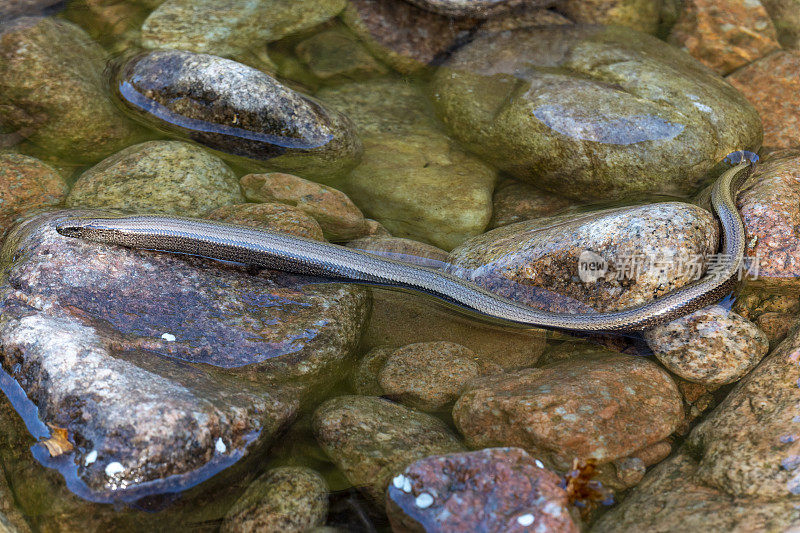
<point>497,489</point>
<point>158,177</point>
<point>400,249</point>
<point>641,15</point>
<point>428,376</point>
<point>291,499</point>
<point>412,178</point>
<point>53,92</point>
<point>18,8</point>
<point>476,8</point>
<point>532,260</point>
<point>272,216</point>
<point>337,55</point>
<point>231,27</point>
<point>402,35</point>
<point>237,110</point>
<point>613,132</point>
<point>712,346</point>
<point>728,38</point>
<point>605,407</point>
<point>155,397</point>
<point>364,378</point>
<point>771,84</point>
<point>338,216</point>
<point>27,184</point>
<point>371,440</point>
<point>786,17</point>
<point>514,202</point>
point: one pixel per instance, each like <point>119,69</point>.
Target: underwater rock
<point>405,37</point>
<point>497,489</point>
<point>412,178</point>
<point>288,499</point>
<point>230,27</point>
<point>236,110</point>
<point>338,216</point>
<point>772,85</point>
<point>641,15</point>
<point>371,440</point>
<point>158,177</point>
<point>27,184</point>
<point>51,81</point>
<point>604,407</point>
<point>592,112</point>
<point>399,249</point>
<point>774,312</point>
<point>272,216</point>
<point>786,17</point>
<point>672,497</point>
<point>724,35</point>
<point>713,346</point>
<point>430,375</point>
<point>364,378</point>
<point>163,369</point>
<point>476,8</point>
<point>523,17</point>
<point>336,55</point>
<point>515,201</point>
<point>748,446</point>
<point>10,9</point>
<point>642,252</point>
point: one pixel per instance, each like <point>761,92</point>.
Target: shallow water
<point>182,383</point>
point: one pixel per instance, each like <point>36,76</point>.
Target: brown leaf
<point>58,443</point>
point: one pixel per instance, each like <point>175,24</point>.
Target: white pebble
<point>539,463</point>
<point>169,337</point>
<point>398,481</point>
<point>525,520</point>
<point>90,458</point>
<point>407,486</point>
<point>424,500</point>
<point>220,446</point>
<point>114,468</point>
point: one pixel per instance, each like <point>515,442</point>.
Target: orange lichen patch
<point>582,490</point>
<point>58,443</point>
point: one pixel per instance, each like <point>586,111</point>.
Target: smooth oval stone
<point>237,110</point>
<point>476,8</point>
<point>591,112</point>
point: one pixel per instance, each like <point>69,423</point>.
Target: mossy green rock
<point>592,112</point>
<point>412,178</point>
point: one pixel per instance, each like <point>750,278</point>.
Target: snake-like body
<point>280,251</point>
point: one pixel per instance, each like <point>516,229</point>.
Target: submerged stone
<point>27,184</point>
<point>592,112</point>
<point>163,369</point>
<point>237,110</point>
<point>476,8</point>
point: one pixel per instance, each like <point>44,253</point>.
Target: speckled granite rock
<point>230,27</point>
<point>237,110</point>
<point>27,184</point>
<point>749,445</point>
<point>364,378</point>
<point>772,85</point>
<point>725,36</point>
<point>626,107</point>
<point>769,203</point>
<point>403,36</point>
<point>602,407</point>
<point>400,249</point>
<point>672,498</point>
<point>514,201</point>
<point>158,177</point>
<point>476,8</point>
<point>371,440</point>
<point>786,17</point>
<point>338,216</point>
<point>492,490</point>
<point>336,55</point>
<point>53,90</point>
<point>430,375</point>
<point>273,216</point>
<point>412,178</point>
<point>287,499</point>
<point>712,345</point>
<point>641,15</point>
<point>641,246</point>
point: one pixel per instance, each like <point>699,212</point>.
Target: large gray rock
<point>237,110</point>
<point>163,369</point>
<point>53,92</point>
<point>592,112</point>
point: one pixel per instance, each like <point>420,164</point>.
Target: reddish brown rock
<point>338,216</point>
<point>430,375</point>
<point>515,201</point>
<point>604,408</point>
<point>273,216</point>
<point>772,85</point>
<point>399,249</point>
<point>772,311</point>
<point>27,184</point>
<point>404,36</point>
<point>492,490</point>
<point>725,35</point>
